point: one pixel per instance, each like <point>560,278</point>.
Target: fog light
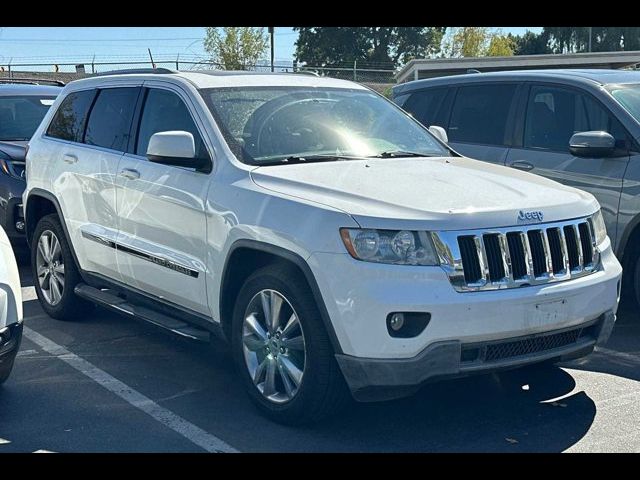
<point>407,324</point>
<point>396,322</point>
<point>20,225</point>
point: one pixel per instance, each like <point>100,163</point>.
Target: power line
<point>76,40</point>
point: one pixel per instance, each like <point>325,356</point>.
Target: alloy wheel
<point>50,267</point>
<point>274,346</point>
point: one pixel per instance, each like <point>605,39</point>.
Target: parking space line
<point>191,432</point>
<point>624,355</point>
<point>29,293</point>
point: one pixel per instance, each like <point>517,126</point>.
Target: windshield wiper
<point>401,153</point>
<point>308,159</point>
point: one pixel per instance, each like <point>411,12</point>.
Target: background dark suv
<point>23,104</point>
<point>536,121</point>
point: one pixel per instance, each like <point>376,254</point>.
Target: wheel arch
<point>39,204</point>
<point>246,256</point>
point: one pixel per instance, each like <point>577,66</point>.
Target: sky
<point>20,45</point>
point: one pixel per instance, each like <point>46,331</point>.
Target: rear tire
<point>55,274</point>
<point>321,390</point>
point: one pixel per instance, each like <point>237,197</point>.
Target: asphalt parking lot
<point>111,384</point>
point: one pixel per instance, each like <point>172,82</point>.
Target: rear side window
<point>110,118</point>
<point>70,118</point>
<point>165,111</point>
<point>479,114</point>
<point>425,104</point>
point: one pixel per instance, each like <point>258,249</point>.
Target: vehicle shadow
<point>511,411</point>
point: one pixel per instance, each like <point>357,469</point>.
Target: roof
<point>28,89</point>
<point>592,76</point>
<point>436,67</point>
<point>226,78</point>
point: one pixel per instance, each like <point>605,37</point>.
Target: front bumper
<point>10,339</point>
<point>372,379</point>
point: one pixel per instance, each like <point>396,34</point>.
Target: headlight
<point>599,228</point>
<point>402,247</point>
<point>7,168</point>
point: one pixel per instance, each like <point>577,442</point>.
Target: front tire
<point>54,270</point>
<point>282,350</point>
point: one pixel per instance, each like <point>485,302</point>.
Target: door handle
<point>522,165</point>
<point>70,159</point>
<point>130,173</point>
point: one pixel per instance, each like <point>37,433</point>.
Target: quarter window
<point>110,119</point>
<point>165,111</point>
<point>69,120</point>
<point>479,114</point>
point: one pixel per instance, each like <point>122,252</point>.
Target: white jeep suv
<point>334,241</point>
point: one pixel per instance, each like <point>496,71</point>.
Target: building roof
<point>568,76</point>
<point>437,67</point>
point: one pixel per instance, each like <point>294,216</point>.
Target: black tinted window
<point>554,114</point>
<point>424,104</point>
<point>164,111</point>
<point>479,114</point>
<point>110,118</point>
<point>20,116</point>
<point>69,120</point>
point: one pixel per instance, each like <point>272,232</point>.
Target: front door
<point>161,211</point>
<point>552,116</point>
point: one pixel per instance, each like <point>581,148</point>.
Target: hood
<point>14,149</point>
<point>444,193</point>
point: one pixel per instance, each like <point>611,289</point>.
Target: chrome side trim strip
<point>163,262</point>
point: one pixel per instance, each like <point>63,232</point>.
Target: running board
<point>111,301</point>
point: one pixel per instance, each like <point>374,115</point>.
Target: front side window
<point>70,118</point>
<point>480,113</point>
<point>165,111</point>
<point>277,125</point>
<point>110,118</point>
<point>554,114</point>
<point>20,116</point>
<point>628,96</point>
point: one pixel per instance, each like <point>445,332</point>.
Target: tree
<point>603,39</point>
<point>381,47</point>
<point>501,46</point>
<point>531,43</point>
<point>236,48</point>
<point>477,42</point>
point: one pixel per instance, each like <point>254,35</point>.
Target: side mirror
<point>176,148</point>
<point>592,144</point>
<point>440,133</point>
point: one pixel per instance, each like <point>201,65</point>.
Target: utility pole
<point>271,29</point>
<point>590,38</point>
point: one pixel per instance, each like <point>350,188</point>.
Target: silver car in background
<point>578,127</point>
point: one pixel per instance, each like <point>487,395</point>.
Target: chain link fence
<point>377,76</point>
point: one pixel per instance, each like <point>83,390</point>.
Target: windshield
<point>628,96</point>
<point>21,115</point>
<point>273,125</point>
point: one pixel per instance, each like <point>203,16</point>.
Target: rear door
<point>161,208</point>
<point>480,123</point>
<point>91,129</point>
<point>552,115</point>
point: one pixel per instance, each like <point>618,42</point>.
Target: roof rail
<point>32,81</point>
<point>133,71</point>
<point>473,70</point>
